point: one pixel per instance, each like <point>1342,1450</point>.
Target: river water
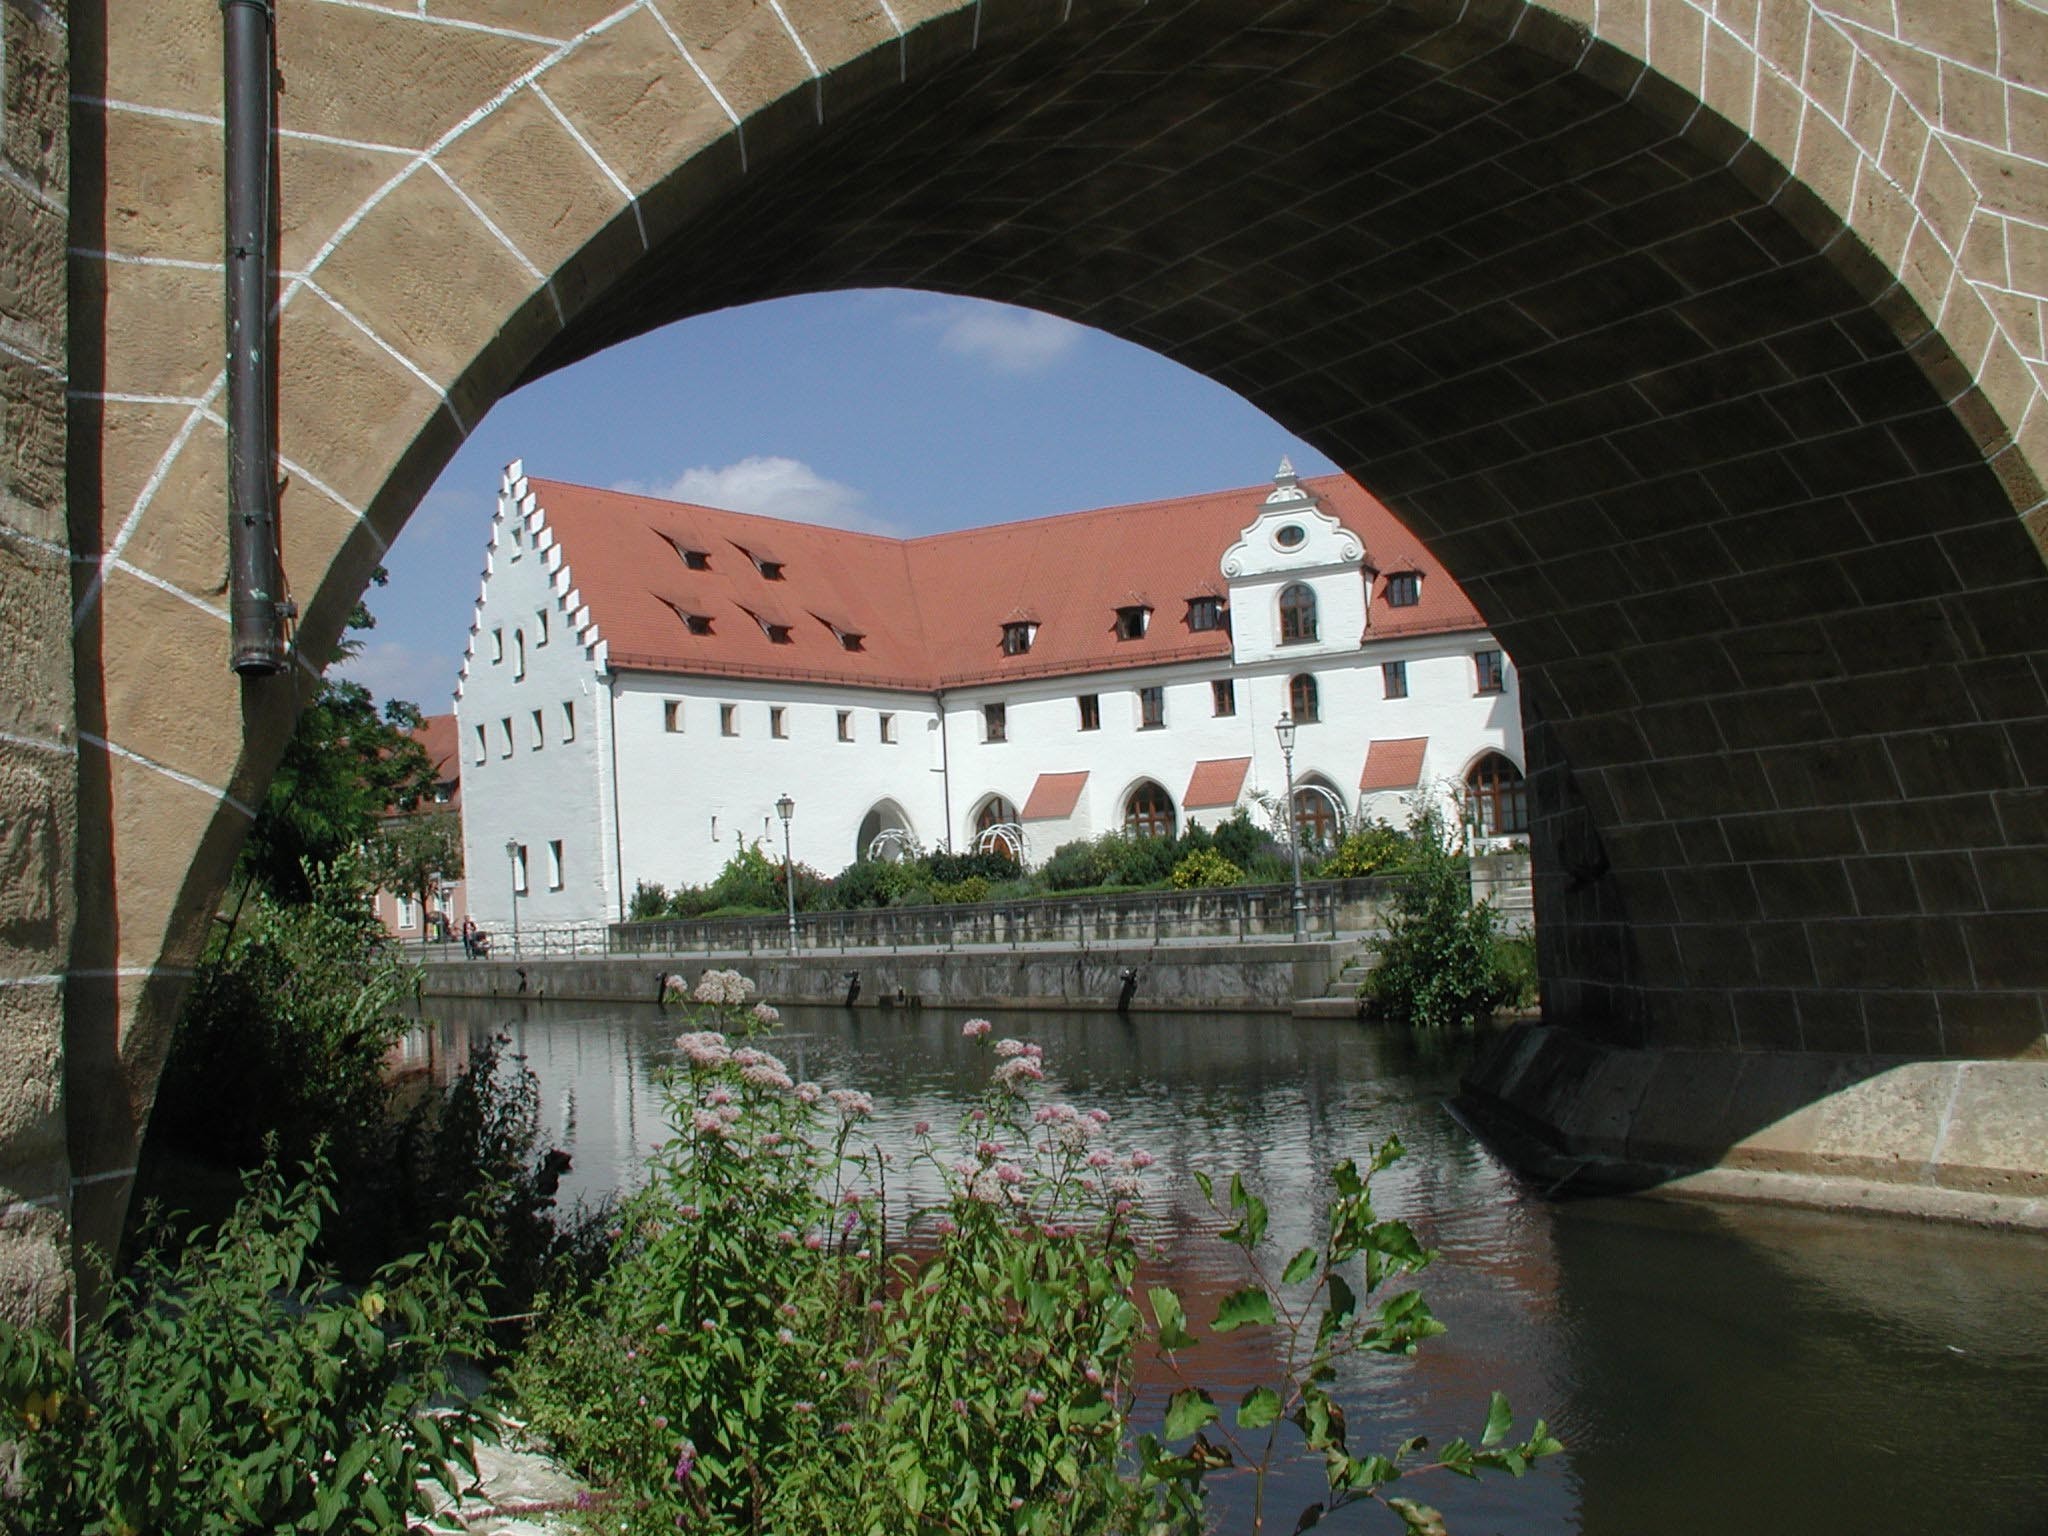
<point>1711,1369</point>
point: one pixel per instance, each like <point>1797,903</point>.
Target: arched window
<point>885,834</point>
<point>1297,613</point>
<point>1318,814</point>
<point>997,812</point>
<point>1149,811</point>
<point>1301,699</point>
<point>1496,798</point>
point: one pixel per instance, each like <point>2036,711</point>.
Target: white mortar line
<point>503,239</point>
<point>165,586</point>
<point>45,546</point>
<point>441,21</point>
<point>38,744</point>
<point>698,70</point>
<point>903,44</point>
<point>173,774</point>
<point>1948,1114</point>
<point>143,498</point>
<point>392,352</point>
<point>41,365</point>
<point>299,472</point>
<point>596,159</point>
<point>125,397</point>
<point>122,259</point>
<point>174,114</point>
<point>817,77</point>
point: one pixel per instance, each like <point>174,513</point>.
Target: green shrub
<point>232,1388</point>
<point>1205,867</point>
<point>1440,961</point>
<point>1241,841</point>
<point>951,868</point>
<point>961,892</point>
<point>1373,849</point>
<point>868,883</point>
<point>650,901</point>
<point>1071,867</point>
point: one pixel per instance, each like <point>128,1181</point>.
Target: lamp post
<point>1284,729</point>
<point>786,808</point>
<point>512,857</point>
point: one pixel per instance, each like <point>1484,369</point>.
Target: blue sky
<point>889,411</point>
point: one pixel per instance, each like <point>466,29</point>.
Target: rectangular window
<point>1490,671</point>
<point>1404,589</point>
<point>497,646</point>
<point>540,627</point>
<point>519,660</point>
<point>888,728</point>
<point>482,747</point>
<point>1223,696</point>
<point>1151,708</point>
<point>568,720</point>
<point>505,725</point>
<point>846,725</point>
<point>519,868</point>
<point>696,560</point>
<point>778,722</point>
<point>405,911</point>
<point>555,865</point>
<point>539,732</point>
<point>995,722</point>
<point>671,715</point>
<point>1016,638</point>
<point>1130,622</point>
<point>1394,674</point>
<point>1091,711</point>
<point>1205,613</point>
<point>728,719</point>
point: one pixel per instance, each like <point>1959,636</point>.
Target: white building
<point>644,679</point>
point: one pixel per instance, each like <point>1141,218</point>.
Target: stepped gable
<point>688,589</point>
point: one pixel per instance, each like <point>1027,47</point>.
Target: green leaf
<point>1206,1185</point>
<point>1309,1517</point>
<point>1300,1267</point>
<point>1173,1321</point>
<point>1250,1305</point>
<point>1260,1407</point>
<point>1498,1420</point>
<point>1187,1411</point>
<point>1419,1518</point>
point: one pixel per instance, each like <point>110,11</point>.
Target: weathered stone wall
<point>1701,340</point>
<point>38,730</point>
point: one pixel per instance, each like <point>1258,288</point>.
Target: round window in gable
<point>1289,536</point>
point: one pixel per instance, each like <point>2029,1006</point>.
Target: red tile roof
<point>930,611</point>
<point>437,738</point>
<point>1395,764</point>
<point>1216,781</point>
<point>1053,797</point>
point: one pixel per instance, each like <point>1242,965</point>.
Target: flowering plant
<point>781,1346</point>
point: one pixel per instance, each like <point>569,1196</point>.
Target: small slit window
<point>540,628</point>
<point>846,725</point>
<point>555,864</point>
<point>728,719</point>
<point>568,720</point>
<point>540,732</point>
<point>671,715</point>
<point>887,728</point>
<point>778,722</point>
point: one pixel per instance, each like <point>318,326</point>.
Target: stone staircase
<point>1340,999</point>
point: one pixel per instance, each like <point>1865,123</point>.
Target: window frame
<point>1489,672</point>
<point>568,719</point>
<point>1491,800</point>
<point>1304,699</point>
<point>885,727</point>
<point>1206,614</point>
<point>1152,707</point>
<point>554,863</point>
<point>1404,589</point>
<point>995,723</point>
<point>1300,619</point>
<point>1017,637</point>
<point>778,722</point>
<point>728,719</point>
<point>1394,679</point>
<point>540,731</point>
<point>1090,706</point>
<point>1160,820</point>
<point>505,725</point>
<point>1133,620</point>
<point>1222,698</point>
<point>846,725</point>
<point>672,717</point>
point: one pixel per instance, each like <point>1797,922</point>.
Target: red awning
<point>1054,796</point>
<point>1395,764</point>
<point>1216,781</point>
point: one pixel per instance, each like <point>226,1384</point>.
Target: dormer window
<point>777,633</point>
<point>1205,613</point>
<point>694,559</point>
<point>771,570</point>
<point>1404,589</point>
<point>1131,621</point>
<point>848,641</point>
<point>697,623</point>
<point>1017,637</point>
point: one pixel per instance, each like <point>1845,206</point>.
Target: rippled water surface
<point>1712,1369</point>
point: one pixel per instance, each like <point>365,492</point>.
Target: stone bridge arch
<point>1700,338</point>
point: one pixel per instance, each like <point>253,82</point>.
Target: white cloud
<point>772,486</point>
<point>391,669</point>
<point>1006,339</point>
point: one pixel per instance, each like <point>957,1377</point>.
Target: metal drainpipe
<point>256,606</point>
<point>945,766</point>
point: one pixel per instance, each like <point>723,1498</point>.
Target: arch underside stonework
<point>1700,341</point>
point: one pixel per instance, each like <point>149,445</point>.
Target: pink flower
<point>707,1122</point>
<point>704,1047</point>
<point>766,1014</point>
<point>974,1029</point>
<point>851,1105</point>
<point>989,1148</point>
<point>808,1093</point>
<point>1142,1159</point>
<point>813,1241</point>
<point>1021,1069</point>
<point>1010,1174</point>
<point>1099,1159</point>
<point>1009,1048</point>
<point>1099,1116</point>
<point>718,1097</point>
<point>922,1128</point>
<point>686,1462</point>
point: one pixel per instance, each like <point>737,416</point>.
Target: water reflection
<point>1712,1369</point>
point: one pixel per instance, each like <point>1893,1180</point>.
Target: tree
<point>412,855</point>
<point>1442,960</point>
<point>347,766</point>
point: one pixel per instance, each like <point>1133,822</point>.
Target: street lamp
<point>512,856</point>
<point>1284,729</point>
<point>786,808</point>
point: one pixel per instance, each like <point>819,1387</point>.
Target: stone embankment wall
<point>1267,978</point>
<point>1945,1140</point>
